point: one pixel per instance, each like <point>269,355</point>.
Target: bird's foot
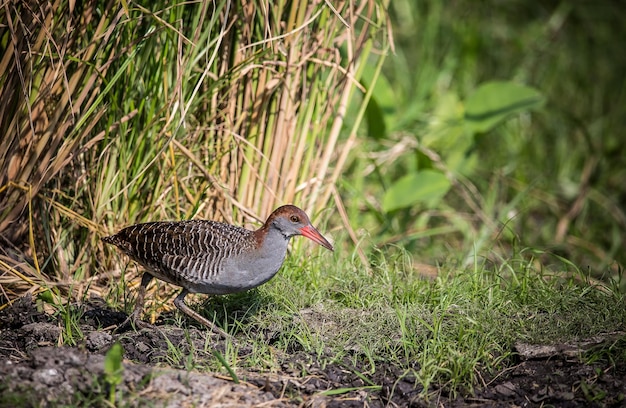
<point>180,304</point>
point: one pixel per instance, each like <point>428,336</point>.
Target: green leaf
<point>113,364</point>
<point>446,124</point>
<point>46,296</point>
<point>382,105</point>
<point>493,102</point>
<point>227,366</point>
<point>339,391</point>
<point>427,186</point>
<point>375,120</point>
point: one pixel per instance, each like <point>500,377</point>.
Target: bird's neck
<point>272,242</point>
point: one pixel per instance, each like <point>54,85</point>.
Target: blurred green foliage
<point>521,106</point>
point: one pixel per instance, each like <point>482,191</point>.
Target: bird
<point>211,257</point>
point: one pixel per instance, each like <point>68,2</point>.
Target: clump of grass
<point>447,332</point>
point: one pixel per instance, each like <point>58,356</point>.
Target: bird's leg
<point>179,302</point>
<point>135,317</point>
<point>139,302</point>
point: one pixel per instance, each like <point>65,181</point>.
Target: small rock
<point>48,376</point>
<point>318,401</point>
<point>39,334</point>
<point>98,340</point>
<point>508,389</point>
<point>52,357</point>
<point>142,347</point>
<point>405,388</point>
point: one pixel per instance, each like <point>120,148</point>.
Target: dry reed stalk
<point>237,119</point>
<point>45,132</point>
<point>51,99</point>
<point>292,72</point>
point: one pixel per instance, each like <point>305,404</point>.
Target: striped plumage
<point>185,253</point>
<point>212,257</point>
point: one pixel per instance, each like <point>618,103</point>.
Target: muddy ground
<point>35,372</point>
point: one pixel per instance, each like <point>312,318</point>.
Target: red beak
<point>311,233</point>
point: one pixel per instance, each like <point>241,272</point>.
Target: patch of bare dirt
<point>34,371</point>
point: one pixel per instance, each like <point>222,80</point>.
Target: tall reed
<point>113,113</point>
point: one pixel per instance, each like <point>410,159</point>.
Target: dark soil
<point>34,371</point>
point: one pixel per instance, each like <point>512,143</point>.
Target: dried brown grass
<point>247,108</point>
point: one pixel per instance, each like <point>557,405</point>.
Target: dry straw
<point>113,113</point>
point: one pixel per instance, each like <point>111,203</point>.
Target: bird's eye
<point>294,218</point>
